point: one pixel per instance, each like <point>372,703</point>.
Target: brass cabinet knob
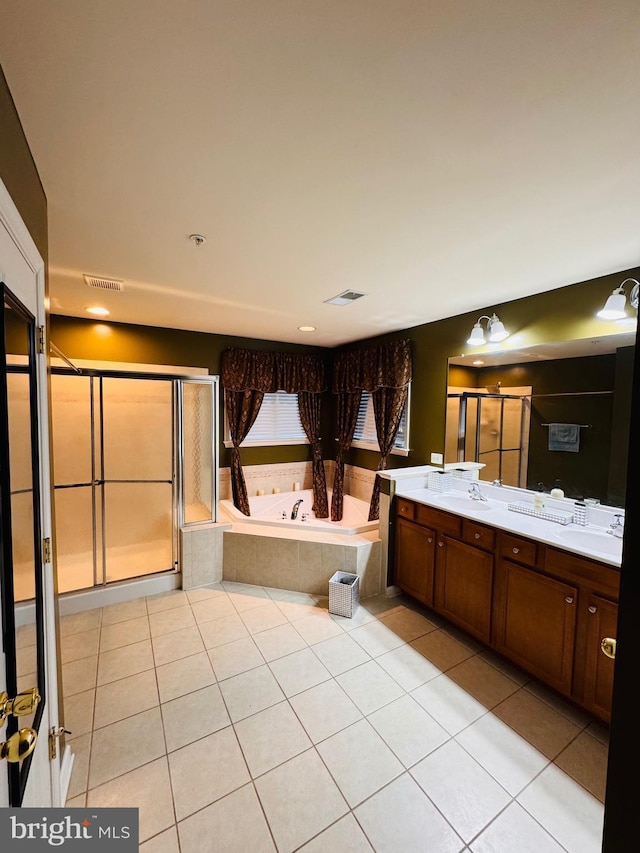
<point>476,535</point>
<point>19,746</point>
<point>608,647</point>
<point>440,544</point>
<point>429,538</point>
<point>516,550</point>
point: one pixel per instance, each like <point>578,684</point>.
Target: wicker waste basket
<point>344,590</point>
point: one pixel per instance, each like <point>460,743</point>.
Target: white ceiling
<point>439,155</point>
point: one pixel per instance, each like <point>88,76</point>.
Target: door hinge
<point>46,550</point>
<point>54,733</point>
<point>41,340</point>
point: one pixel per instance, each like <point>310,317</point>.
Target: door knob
<point>608,647</point>
<point>25,702</point>
<point>19,745</point>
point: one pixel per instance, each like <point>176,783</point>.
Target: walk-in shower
<point>492,429</point>
<point>134,459</point>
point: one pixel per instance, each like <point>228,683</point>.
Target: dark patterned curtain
<point>242,409</point>
<point>309,407</point>
<point>347,414</point>
<point>247,375</point>
<point>385,372</point>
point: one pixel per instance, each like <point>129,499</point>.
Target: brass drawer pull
<point>593,609</point>
<point>569,599</point>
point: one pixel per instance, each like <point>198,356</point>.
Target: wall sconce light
<point>495,330</point>
<point>615,304</point>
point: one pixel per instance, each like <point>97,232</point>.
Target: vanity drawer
<point>443,522</point>
<point>478,534</point>
<point>518,550</point>
<point>405,509</point>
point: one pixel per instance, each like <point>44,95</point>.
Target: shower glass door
<point>136,476</point>
<point>114,468</point>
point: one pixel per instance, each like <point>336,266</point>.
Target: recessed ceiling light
<point>307,328</point>
<point>97,311</point>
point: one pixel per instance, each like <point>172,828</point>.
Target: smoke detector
<point>346,297</point>
<point>102,283</point>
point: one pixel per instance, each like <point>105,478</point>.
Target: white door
<point>28,650</point>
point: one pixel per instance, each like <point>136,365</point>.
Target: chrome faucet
<point>616,528</point>
<point>294,511</point>
<point>475,494</point>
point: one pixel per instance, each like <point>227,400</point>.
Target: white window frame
<point>372,444</point>
<point>264,411</point>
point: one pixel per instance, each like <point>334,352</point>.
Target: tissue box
<point>439,481</point>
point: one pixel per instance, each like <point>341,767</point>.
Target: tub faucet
<point>294,511</point>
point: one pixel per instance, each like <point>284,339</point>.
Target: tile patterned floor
<point>239,718</point>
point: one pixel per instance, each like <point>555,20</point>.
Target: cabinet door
<point>602,621</point>
<point>535,623</point>
<point>463,586</point>
<point>414,559</point>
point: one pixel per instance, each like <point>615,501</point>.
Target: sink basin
<point>464,503</point>
<point>592,540</point>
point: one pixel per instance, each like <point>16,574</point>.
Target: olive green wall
<point>87,339</point>
<point>567,313</point>
<point>18,171</point>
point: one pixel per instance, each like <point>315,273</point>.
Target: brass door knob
<point>608,647</point>
<point>25,702</point>
<point>19,745</point>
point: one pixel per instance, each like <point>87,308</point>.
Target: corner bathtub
<point>268,509</point>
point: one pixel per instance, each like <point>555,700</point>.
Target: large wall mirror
<point>545,416</point>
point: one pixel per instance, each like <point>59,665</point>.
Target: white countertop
<point>586,541</point>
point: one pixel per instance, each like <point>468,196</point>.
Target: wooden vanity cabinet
<point>414,560</point>
<point>535,623</point>
<point>464,579</point>
<point>545,609</point>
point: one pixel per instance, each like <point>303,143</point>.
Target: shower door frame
<point>463,398</point>
<point>177,463</point>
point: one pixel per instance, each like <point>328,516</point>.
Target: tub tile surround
<point>303,731</point>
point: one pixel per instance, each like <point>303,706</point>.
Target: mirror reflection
<point>550,416</point>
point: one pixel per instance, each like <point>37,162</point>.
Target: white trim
<point>66,769</point>
<point>276,443</point>
<point>375,448</point>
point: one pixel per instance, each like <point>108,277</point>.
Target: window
<point>278,422</point>
<point>365,433</point>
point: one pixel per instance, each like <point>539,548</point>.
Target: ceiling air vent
<point>345,297</point>
<point>102,283</point>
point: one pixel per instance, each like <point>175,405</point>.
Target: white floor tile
<point>513,830</point>
<point>340,653</point>
<point>376,638</point>
<point>193,716</point>
<point>407,666</point>
<point>408,730</point>
<point>234,824</point>
<point>184,676</point>
<point>279,641</point>
<point>271,737</point>
<point>345,836</point>
<point>299,671</point>
<point>461,789</point>
<point>111,755</point>
<point>401,819</point>
<point>324,710</point>
<point>180,644</point>
<point>369,687</point>
<point>359,761</point>
<point>448,704</point>
<point>290,796</point>
<point>125,697</point>
<point>250,692</point>
<point>206,770</point>
<point>234,658</point>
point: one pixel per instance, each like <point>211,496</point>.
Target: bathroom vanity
<point>538,595</point>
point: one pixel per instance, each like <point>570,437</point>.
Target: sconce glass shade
<point>497,331</point>
<point>614,306</point>
<point>476,338</point>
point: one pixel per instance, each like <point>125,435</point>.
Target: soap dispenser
<point>538,498</point>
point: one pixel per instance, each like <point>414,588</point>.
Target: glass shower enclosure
<point>492,429</point>
<point>135,459</point>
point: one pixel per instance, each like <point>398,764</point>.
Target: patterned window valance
<point>384,366</point>
<point>256,370</point>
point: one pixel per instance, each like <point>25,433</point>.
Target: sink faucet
<point>475,494</point>
<point>616,528</point>
<point>294,511</point>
